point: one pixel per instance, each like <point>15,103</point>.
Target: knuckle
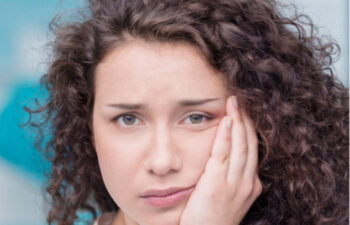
<point>251,189</point>
<point>239,123</point>
<point>248,188</point>
<point>243,149</point>
<point>227,138</point>
<point>212,194</point>
<point>221,158</point>
<point>259,187</point>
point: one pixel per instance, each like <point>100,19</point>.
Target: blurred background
<point>23,56</point>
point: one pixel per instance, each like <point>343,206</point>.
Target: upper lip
<point>164,192</point>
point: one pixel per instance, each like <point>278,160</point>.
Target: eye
<point>128,120</point>
<point>198,118</point>
<point>125,119</point>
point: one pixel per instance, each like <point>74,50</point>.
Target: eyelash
<point>206,117</point>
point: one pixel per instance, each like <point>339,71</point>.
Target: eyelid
<point>116,118</point>
<point>206,116</point>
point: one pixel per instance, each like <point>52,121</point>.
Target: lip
<point>166,197</point>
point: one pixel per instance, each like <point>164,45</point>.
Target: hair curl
<point>280,72</point>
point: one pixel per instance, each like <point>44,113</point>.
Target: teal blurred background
<point>23,57</point>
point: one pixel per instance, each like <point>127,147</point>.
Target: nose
<point>163,156</point>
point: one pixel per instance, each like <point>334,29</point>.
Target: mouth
<point>167,197</point>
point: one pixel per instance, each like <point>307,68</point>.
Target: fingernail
<point>234,101</point>
<point>228,121</point>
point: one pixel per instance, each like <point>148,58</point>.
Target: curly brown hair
<point>277,66</point>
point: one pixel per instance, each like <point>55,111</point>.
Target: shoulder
<point>105,219</point>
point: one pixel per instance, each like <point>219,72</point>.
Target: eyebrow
<point>181,103</point>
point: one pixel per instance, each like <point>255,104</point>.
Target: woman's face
<point>164,139</point>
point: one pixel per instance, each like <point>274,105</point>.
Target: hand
<point>229,184</point>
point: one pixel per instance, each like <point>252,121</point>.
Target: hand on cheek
<point>229,184</point>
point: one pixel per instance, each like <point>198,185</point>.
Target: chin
<point>161,221</point>
<point>162,216</point>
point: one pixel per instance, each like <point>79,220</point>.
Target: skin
<point>166,145</point>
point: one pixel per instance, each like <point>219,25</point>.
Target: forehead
<point>157,70</point>
<point>138,54</point>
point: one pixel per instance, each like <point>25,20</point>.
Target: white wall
<point>332,17</point>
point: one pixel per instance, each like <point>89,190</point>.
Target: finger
<point>239,147</point>
<point>218,161</point>
<point>259,186</point>
<point>252,140</point>
<point>254,193</point>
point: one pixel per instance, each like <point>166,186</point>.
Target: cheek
<point>119,159</point>
<point>196,147</point>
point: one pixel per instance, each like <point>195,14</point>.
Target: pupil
<point>197,118</point>
<point>128,119</point>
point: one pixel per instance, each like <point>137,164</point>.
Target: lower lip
<point>168,200</point>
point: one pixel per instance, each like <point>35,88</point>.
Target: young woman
<point>195,112</point>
